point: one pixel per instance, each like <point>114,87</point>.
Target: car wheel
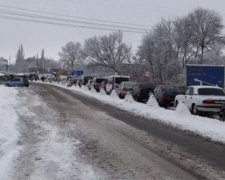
<point>120,96</point>
<point>137,98</point>
<point>176,103</point>
<point>195,110</point>
<point>160,103</point>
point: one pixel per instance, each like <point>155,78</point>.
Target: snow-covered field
<point>8,131</point>
<point>180,118</point>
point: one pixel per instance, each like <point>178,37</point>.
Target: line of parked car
<point>164,94</point>
<point>141,92</point>
<point>15,80</point>
<point>200,100</point>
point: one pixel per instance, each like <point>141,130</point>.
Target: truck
<point>212,75</point>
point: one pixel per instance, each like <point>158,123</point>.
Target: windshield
<point>118,80</point>
<point>211,91</point>
<point>129,84</point>
<point>99,80</point>
<point>147,86</point>
<point>87,78</point>
<point>170,89</point>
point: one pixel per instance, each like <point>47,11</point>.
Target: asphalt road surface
<point>65,135</point>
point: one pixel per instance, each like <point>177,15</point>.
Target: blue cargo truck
<point>205,75</point>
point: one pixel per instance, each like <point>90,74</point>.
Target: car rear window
<point>211,91</point>
<point>99,80</point>
<point>118,80</point>
<point>147,86</point>
<point>129,84</point>
<point>170,89</point>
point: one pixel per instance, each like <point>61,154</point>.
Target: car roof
<point>99,77</point>
<point>145,83</point>
<point>120,76</point>
<point>198,87</point>
<point>166,86</point>
<point>128,82</point>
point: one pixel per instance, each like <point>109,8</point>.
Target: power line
<point>90,19</point>
<point>14,13</point>
<point>64,24</point>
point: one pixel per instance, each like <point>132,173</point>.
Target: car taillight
<point>208,101</point>
<point>124,89</point>
<point>165,98</point>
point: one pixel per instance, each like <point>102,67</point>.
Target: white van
<point>114,81</point>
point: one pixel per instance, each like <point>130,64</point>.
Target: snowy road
<point>64,135</point>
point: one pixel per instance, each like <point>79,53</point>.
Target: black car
<point>141,91</point>
<point>86,78</point>
<point>26,82</point>
<point>33,77</point>
<point>165,94</point>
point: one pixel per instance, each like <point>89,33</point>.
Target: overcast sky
<point>36,36</point>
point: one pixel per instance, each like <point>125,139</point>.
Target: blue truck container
<point>205,75</point>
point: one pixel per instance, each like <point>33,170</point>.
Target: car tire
<point>160,104</point>
<point>194,110</point>
<point>137,98</point>
<point>176,103</point>
<point>120,96</point>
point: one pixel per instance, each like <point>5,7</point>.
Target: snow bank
<point>180,118</point>
<point>102,91</point>
<point>114,94</point>
<point>93,91</point>
<point>152,102</point>
<point>182,110</point>
<point>129,98</point>
<point>8,132</point>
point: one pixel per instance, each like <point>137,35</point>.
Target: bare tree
<point>207,27</point>
<point>3,64</point>
<point>70,55</point>
<point>183,35</point>
<point>170,45</point>
<point>20,65</point>
<point>108,50</point>
<point>159,50</point>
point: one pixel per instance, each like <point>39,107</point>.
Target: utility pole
<point>37,60</point>
<point>9,66</point>
<point>37,64</point>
